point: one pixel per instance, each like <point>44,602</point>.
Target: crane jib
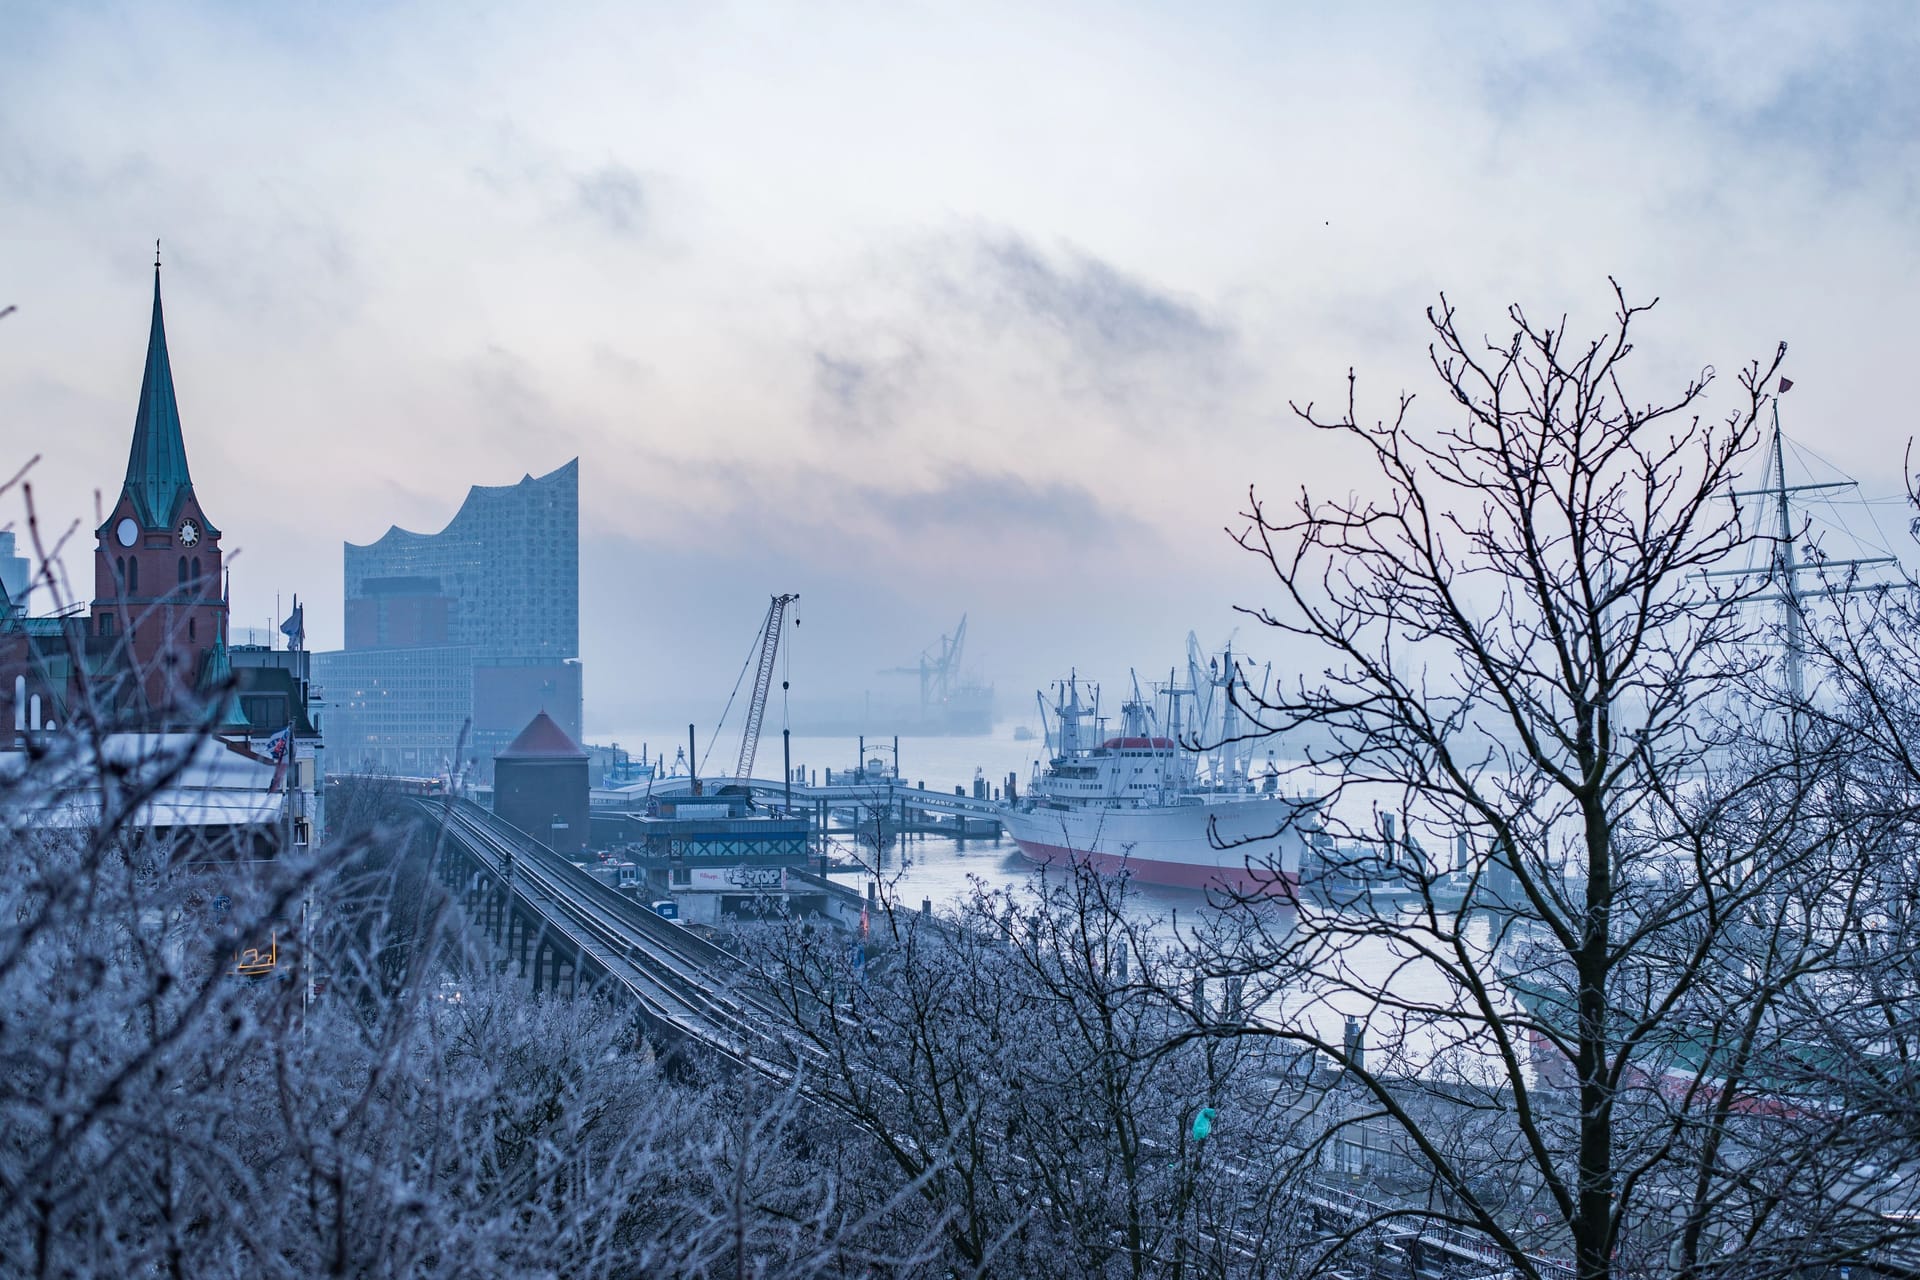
<point>762,682</point>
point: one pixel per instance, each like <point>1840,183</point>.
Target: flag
<point>1786,385</point>
<point>295,627</point>
<point>279,749</point>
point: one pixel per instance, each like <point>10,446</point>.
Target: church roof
<point>542,739</point>
<point>157,463</point>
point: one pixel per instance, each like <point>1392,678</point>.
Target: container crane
<point>939,675</point>
<point>762,682</point>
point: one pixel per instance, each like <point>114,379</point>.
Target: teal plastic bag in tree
<point>1203,1123</point>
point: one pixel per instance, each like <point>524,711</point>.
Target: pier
<point>840,807</point>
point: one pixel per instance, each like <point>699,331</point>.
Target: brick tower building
<point>156,572</point>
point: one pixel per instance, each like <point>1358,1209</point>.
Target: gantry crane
<point>762,682</point>
<point>939,675</point>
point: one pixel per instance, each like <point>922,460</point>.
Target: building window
<point>183,571</point>
<point>106,624</point>
<point>190,629</point>
<point>120,574</point>
<point>133,575</point>
<point>196,571</point>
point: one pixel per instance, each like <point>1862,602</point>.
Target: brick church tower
<point>157,598</point>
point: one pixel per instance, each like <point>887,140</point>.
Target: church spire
<point>157,465</point>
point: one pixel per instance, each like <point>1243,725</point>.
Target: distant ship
<point>1140,803</point>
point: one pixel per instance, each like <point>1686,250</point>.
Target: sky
<point>916,310</point>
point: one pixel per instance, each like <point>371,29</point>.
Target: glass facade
<point>397,711</point>
<point>476,627</point>
<point>508,563</point>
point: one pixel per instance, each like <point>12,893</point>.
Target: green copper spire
<point>157,465</point>
<point>216,680</point>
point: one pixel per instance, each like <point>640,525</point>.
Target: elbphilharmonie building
<point>474,629</point>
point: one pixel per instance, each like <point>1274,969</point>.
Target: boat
<point>1141,804</point>
<point>873,770</point>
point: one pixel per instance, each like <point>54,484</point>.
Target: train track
<point>666,971</point>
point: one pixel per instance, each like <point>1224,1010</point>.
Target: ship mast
<point>1786,566</point>
<point>1786,570</point>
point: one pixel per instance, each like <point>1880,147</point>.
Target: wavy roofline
<point>395,532</point>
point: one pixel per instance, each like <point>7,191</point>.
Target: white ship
<point>1141,803</point>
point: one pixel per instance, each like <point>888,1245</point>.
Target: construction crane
<point>938,673</point>
<point>762,682</point>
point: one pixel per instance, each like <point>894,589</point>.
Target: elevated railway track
<point>550,916</point>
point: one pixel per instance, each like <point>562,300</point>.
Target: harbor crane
<point>762,682</point>
<point>937,675</point>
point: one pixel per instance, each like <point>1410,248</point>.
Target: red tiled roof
<point>542,739</point>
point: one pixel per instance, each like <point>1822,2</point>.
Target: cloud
<point>1000,506</point>
<point>614,197</point>
<point>1828,89</point>
<point>1106,316</point>
<point>966,340</point>
<point>512,407</point>
<point>1139,356</point>
<point>863,395</point>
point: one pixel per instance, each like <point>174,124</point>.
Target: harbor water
<point>942,871</point>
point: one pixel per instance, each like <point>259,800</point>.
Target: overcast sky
<point>914,310</point>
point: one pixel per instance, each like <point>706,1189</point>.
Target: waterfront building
<point>714,854</point>
<point>474,628</point>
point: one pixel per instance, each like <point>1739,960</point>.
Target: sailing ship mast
<point>1786,565</point>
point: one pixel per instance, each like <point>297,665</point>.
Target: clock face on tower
<point>126,531</point>
<point>189,533</point>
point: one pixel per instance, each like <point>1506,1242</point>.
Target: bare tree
<point>1575,1041</point>
<point>163,1112</point>
<point>176,1099</point>
<point>1008,1055</point>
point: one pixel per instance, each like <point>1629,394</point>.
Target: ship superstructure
<point>1141,802</point>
